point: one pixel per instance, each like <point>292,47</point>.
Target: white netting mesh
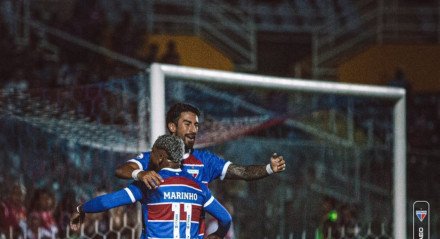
<point>339,152</point>
<point>100,115</point>
<point>71,139</point>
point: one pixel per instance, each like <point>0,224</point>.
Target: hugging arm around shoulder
<point>108,201</point>
<point>124,171</point>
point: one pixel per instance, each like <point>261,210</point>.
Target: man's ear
<point>172,127</point>
<point>162,156</point>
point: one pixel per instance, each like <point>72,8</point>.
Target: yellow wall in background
<point>377,65</point>
<point>193,52</point>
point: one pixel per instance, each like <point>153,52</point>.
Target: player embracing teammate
<point>182,120</point>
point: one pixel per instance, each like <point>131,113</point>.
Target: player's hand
<point>150,178</point>
<point>213,236</point>
<point>277,163</point>
<point>76,220</point>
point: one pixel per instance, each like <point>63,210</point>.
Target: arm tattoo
<point>248,173</point>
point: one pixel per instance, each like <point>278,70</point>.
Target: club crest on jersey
<point>193,172</point>
<point>421,214</point>
<point>141,155</point>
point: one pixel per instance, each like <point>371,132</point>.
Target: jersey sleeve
<point>142,160</point>
<point>214,166</point>
<point>125,196</point>
<point>213,207</point>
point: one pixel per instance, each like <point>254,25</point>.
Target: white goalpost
<point>159,72</point>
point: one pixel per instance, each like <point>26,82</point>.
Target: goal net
<point>344,144</point>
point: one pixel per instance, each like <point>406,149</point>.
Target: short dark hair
<point>175,110</point>
<point>173,145</point>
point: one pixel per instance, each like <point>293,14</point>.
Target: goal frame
<point>159,72</point>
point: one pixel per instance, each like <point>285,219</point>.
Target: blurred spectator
<point>171,56</point>
<point>34,225</point>
<point>329,218</point>
<point>117,217</point>
<point>63,211</point>
<point>349,221</point>
<point>12,211</point>
<point>123,219</point>
<point>96,223</point>
<point>42,209</point>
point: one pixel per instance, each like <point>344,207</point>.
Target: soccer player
<point>183,121</point>
<point>173,209</point>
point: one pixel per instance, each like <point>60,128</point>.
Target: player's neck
<point>188,150</point>
<point>169,164</point>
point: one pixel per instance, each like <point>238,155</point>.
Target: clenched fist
<point>277,163</point>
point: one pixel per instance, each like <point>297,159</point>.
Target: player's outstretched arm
<point>103,203</point>
<point>130,170</point>
<point>223,217</point>
<point>253,172</point>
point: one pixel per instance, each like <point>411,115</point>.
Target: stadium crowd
<point>41,215</point>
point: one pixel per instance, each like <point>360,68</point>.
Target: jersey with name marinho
<point>174,209</point>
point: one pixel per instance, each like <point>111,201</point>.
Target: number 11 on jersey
<point>176,219</point>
